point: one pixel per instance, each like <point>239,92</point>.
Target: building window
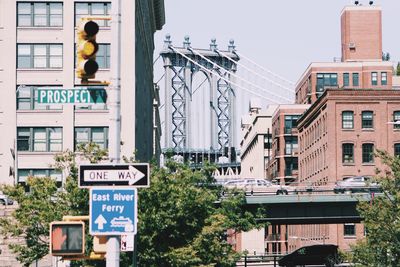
<point>347,120</point>
<point>348,153</point>
<point>383,78</point>
<point>367,118</point>
<point>291,145</point>
<point>374,78</point>
<point>39,139</point>
<point>355,80</point>
<point>40,56</point>
<point>346,79</point>
<point>23,175</point>
<point>98,135</point>
<point>267,141</point>
<point>27,99</point>
<point>349,229</point>
<point>290,123</point>
<point>397,149</point>
<point>40,14</point>
<point>103,56</point>
<point>396,118</point>
<point>367,153</point>
<point>92,9</point>
<point>326,80</point>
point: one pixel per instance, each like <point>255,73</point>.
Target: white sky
<point>283,36</point>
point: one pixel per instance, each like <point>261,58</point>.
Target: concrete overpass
<point>309,208</point>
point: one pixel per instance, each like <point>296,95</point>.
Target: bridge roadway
<point>309,208</point>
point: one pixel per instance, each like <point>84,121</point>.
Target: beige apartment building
<point>256,142</point>
<point>37,44</point>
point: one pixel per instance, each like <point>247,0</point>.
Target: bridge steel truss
<point>179,93</point>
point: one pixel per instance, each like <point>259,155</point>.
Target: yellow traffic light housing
<point>67,238</point>
<point>86,49</point>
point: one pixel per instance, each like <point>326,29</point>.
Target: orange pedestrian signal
<point>67,238</point>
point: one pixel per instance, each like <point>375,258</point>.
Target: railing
<point>259,260</point>
<point>290,130</point>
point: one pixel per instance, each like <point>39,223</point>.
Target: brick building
<point>352,102</point>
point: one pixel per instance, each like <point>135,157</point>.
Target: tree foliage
<point>381,247</point>
<point>182,221</point>
<point>398,69</point>
<point>45,203</point>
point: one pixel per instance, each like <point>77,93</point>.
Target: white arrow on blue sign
<point>113,211</point>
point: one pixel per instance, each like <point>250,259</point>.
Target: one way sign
<point>124,175</point>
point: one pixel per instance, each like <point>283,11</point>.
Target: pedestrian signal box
<point>67,238</point>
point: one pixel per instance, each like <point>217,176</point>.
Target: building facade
<point>256,143</point>
<point>361,64</point>
<point>283,166</point>
<point>353,103</point>
<point>38,50</point>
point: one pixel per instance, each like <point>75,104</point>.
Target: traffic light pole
<point>113,242</point>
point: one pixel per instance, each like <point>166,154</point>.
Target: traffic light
<point>67,238</point>
<point>86,49</point>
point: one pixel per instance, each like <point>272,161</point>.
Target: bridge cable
<point>234,75</point>
<point>219,76</point>
<point>154,62</point>
<point>160,78</point>
<point>291,90</point>
<point>261,67</point>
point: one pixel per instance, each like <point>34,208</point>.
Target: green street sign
<point>74,96</point>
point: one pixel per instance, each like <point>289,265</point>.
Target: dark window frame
<point>356,79</point>
<point>347,153</point>
<point>349,229</point>
<point>346,79</point>
<point>367,119</point>
<point>374,78</point>
<point>49,15</point>
<point>28,141</point>
<point>347,123</point>
<point>367,153</point>
<point>383,78</point>
<point>32,57</point>
<point>90,130</point>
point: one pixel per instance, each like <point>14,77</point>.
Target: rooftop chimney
<point>361,29</point>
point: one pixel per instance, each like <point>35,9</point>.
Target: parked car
<point>356,184</point>
<point>5,200</point>
<point>258,185</point>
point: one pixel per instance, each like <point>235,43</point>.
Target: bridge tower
<point>181,65</point>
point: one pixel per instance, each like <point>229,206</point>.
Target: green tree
<point>31,219</point>
<point>381,247</point>
<point>398,69</point>
<point>183,221</point>
<point>45,203</point>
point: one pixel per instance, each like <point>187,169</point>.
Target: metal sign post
<point>113,243</point>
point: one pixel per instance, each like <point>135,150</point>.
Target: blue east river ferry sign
<point>113,211</point>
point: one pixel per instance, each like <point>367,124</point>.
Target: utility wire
<point>234,75</point>
<point>219,76</point>
<point>291,90</point>
<point>261,67</point>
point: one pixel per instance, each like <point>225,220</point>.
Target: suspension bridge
<point>204,92</point>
